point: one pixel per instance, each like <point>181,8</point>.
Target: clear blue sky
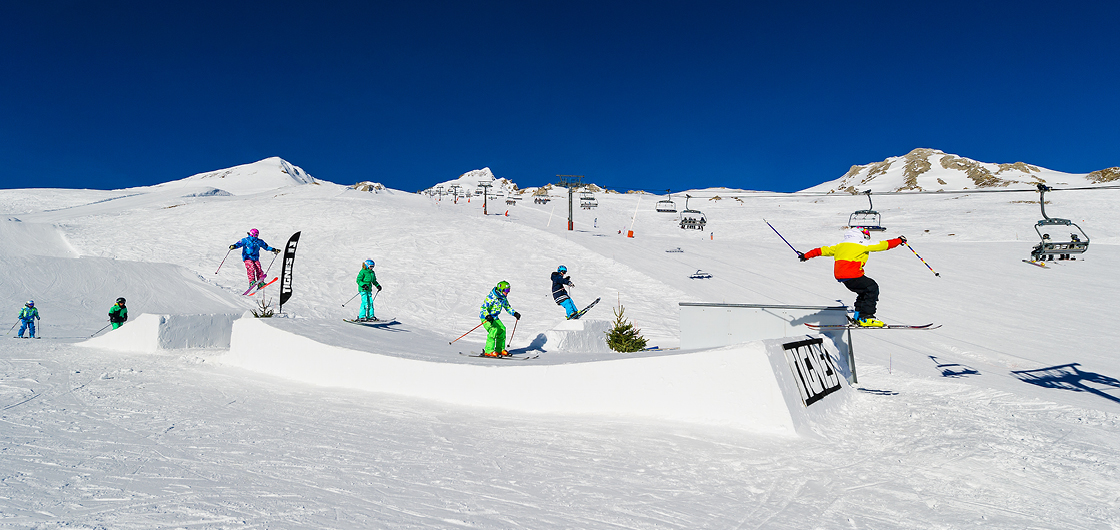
<point>640,94</point>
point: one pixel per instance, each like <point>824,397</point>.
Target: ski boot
<point>870,322</point>
<point>491,354</point>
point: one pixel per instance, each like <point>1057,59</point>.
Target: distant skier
<point>367,280</point>
<point>489,312</point>
<point>118,314</point>
<point>251,254</point>
<point>560,294</point>
<point>27,317</point>
<point>850,256</point>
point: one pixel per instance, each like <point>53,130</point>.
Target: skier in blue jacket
<point>251,247</point>
<point>27,317</point>
<point>560,294</point>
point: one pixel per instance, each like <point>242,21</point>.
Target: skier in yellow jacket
<point>850,256</point>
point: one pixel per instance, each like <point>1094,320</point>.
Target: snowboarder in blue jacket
<point>560,294</point>
<point>27,317</point>
<point>251,247</point>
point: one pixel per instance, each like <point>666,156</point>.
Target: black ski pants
<point>867,294</point>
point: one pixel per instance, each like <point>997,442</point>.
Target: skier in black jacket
<point>560,294</point>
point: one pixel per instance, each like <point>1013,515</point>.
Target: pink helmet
<point>253,232</point>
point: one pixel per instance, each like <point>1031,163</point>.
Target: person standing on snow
<point>850,256</point>
<point>118,314</point>
<point>27,317</point>
<point>560,294</point>
<point>367,280</point>
<point>251,254</point>
<point>489,312</point>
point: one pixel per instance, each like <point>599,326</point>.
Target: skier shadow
<point>385,326</point>
<point>536,345</point>
<point>1069,377</point>
<point>954,369</point>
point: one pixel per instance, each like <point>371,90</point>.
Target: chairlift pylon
<point>666,205</point>
<point>1048,248</point>
<point>868,219</point>
<point>692,219</point>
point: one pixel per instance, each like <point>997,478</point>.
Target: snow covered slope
<point>261,176</point>
<point>1006,417</point>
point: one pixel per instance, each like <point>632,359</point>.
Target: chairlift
<point>587,200</point>
<point>1048,248</point>
<point>692,219</point>
<point>867,219</point>
<point>541,199</point>
<point>674,250</point>
<point>667,205</point>
<point>700,275</point>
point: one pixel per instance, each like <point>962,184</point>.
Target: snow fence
<point>149,333</point>
<point>780,386</point>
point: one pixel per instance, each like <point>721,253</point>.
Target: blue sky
<point>650,95</point>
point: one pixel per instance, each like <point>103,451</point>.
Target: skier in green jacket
<point>118,314</point>
<point>367,280</point>
<point>491,309</point>
<point>27,317</point>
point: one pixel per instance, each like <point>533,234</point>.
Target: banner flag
<point>286,271</point>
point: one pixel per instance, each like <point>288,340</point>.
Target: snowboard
<point>254,286</point>
<point>509,357</point>
<point>584,310</point>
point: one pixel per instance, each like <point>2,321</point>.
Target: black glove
<point>231,247</point>
<point>802,257</point>
<point>275,251</point>
<point>902,238</point>
<point>516,315</point>
<point>570,284</point>
<point>378,287</point>
<point>490,318</point>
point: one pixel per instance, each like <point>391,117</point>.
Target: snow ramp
<point>762,386</point>
<point>150,333</point>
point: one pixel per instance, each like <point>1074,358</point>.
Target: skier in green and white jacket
<point>367,280</point>
<point>491,309</point>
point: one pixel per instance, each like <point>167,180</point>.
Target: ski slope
<point>1005,417</point>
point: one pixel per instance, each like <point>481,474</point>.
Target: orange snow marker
<point>629,233</point>
<point>507,213</point>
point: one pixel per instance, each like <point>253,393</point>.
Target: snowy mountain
<point>261,176</point>
<point>1005,417</point>
<point>933,170</point>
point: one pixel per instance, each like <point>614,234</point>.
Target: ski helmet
<point>562,269</point>
<point>30,303</point>
<point>368,264</point>
<point>503,287</point>
<point>120,301</point>
<point>254,232</point>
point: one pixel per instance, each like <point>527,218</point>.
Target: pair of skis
<point>581,312</point>
<point>258,286</point>
<point>371,323</point>
<point>834,327</point>
<point>507,357</point>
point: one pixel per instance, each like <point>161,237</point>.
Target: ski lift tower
<point>485,193</point>
<point>572,182</point>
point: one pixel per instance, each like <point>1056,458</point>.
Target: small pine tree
<point>624,337</point>
<point>264,308</point>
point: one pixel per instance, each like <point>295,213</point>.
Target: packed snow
<point>1004,417</point>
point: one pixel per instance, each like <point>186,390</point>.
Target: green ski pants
<point>495,336</point>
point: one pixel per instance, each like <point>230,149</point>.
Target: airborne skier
<point>251,254</point>
<point>850,255</point>
<point>560,294</point>
<point>118,314</point>
<point>491,309</point>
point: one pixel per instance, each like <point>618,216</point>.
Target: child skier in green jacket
<point>27,317</point>
<point>118,314</point>
<point>367,280</point>
<point>489,312</point>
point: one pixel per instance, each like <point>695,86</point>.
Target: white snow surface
<point>1005,417</point>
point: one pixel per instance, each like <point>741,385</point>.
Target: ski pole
<point>780,235</point>
<point>465,334</point>
<point>513,333</point>
<point>935,273</point>
<point>13,327</point>
<point>100,330</point>
<point>223,261</point>
<point>351,299</point>
<point>274,256</point>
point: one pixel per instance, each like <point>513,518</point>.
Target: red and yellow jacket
<point>851,254</point>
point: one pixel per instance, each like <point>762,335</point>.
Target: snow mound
<point>150,333</point>
<point>933,170</point>
<point>258,177</point>
<point>583,336</point>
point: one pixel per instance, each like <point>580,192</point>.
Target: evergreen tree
<point>624,337</point>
